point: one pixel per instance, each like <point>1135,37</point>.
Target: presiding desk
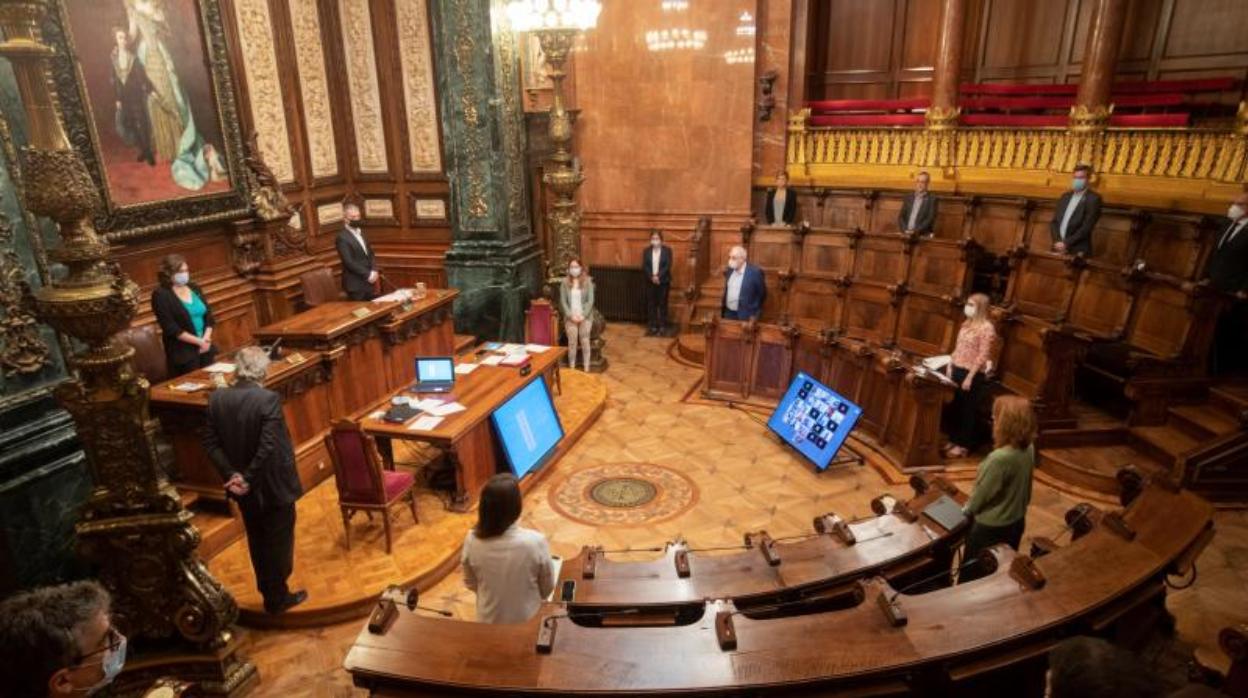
<point>900,544</point>
<point>466,437</point>
<point>949,641</point>
<point>353,354</point>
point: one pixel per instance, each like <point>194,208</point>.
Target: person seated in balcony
<point>918,210</point>
<point>1002,492</point>
<point>1077,212</point>
<point>509,567</point>
<point>967,368</point>
<point>1227,271</point>
<point>745,287</point>
<point>781,206</point>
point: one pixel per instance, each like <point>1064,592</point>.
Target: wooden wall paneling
<point>842,209</point>
<point>828,254</point>
<point>1162,320</point>
<point>1102,301</point>
<point>1039,239</point>
<point>1038,361</point>
<point>1113,241</point>
<point>879,387</point>
<point>941,267</point>
<point>815,303</point>
<point>776,252</point>
<point>729,354</point>
<point>999,225</point>
<point>953,215</point>
<point>422,151</point>
<point>1171,244</point>
<point>847,365</point>
<point>884,211</point>
<point>882,259</point>
<point>927,325</point>
<point>1042,285</point>
<point>809,354</point>
<point>871,313</point>
<point>1201,38</point>
<point>913,432</point>
<point>861,68</point>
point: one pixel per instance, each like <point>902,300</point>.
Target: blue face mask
<point>181,278</point>
<point>112,663</point>
<point>1078,184</point>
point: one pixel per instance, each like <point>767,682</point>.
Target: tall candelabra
<point>133,528</point>
<point>557,23</point>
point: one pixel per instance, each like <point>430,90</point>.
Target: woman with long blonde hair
<point>971,356</point>
<point>576,302</point>
<point>998,503</point>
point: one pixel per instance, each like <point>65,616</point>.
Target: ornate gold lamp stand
<point>133,527</point>
<point>557,23</point>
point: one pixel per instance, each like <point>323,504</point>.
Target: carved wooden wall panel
<point>772,367</point>
<point>815,303</point>
<point>1022,358</point>
<point>1112,242</point>
<point>926,326</point>
<point>1162,320</point>
<point>305,24</point>
<point>420,104</point>
<point>870,313</point>
<point>842,210</point>
<point>1172,245</point>
<point>884,212</point>
<point>827,255</point>
<point>999,226</point>
<point>361,69</point>
<point>876,397</point>
<point>1042,286</point>
<point>263,85</point>
<point>939,267</point>
<point>773,250</point>
<point>881,259</point>
<point>1102,302</point>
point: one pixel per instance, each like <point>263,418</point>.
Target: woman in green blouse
<point>998,504</point>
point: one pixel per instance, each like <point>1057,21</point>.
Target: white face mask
<point>656,243</point>
<point>574,272</point>
<point>1235,212</point>
<point>112,664</point>
<point>734,264</point>
<point>969,310</point>
<point>182,278</point>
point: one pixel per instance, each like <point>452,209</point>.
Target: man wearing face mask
<point>1227,271</point>
<point>656,264</point>
<point>1077,213</point>
<point>59,641</point>
<point>745,287</point>
<point>359,264</point>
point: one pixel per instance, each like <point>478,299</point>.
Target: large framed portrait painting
<point>151,110</point>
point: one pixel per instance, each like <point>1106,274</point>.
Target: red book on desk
<point>514,360</point>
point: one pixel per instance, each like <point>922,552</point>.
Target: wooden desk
<point>371,345</point>
<point>956,639</point>
<point>305,391</point>
<point>466,436</point>
<point>900,548</point>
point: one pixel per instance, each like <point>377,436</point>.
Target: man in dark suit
<point>656,264</point>
<point>1077,213</point>
<point>1227,271</point>
<point>359,267</point>
<point>918,210</point>
<point>745,287</point>
<point>250,446</point>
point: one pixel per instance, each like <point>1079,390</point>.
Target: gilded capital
<point>942,118</point>
<point>1090,119</point>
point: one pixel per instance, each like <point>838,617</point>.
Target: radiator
<point>620,293</point>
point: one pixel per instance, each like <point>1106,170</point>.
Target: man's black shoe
<point>288,603</point>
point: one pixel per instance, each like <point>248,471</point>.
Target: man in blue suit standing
<point>744,288</point>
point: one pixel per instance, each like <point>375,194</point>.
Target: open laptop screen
<point>438,369</point>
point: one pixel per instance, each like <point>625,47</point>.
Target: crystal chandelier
<point>538,15</point>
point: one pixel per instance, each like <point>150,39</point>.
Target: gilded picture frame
<point>85,112</point>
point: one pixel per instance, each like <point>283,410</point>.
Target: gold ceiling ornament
<point>133,527</point>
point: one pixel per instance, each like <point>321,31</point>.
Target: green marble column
<point>494,260</point>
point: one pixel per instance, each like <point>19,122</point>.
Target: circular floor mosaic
<point>623,494</point>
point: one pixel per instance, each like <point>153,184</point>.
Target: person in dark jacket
<point>656,265</point>
<point>781,206</point>
<point>918,209</point>
<point>1077,213</point>
<point>249,444</point>
<point>1227,271</point>
<point>184,316</point>
<point>359,264</point>
<point>745,288</point>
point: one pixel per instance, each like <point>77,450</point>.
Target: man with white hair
<point>250,446</point>
<point>745,288</point>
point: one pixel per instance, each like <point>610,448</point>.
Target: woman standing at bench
<point>971,356</point>
<point>998,504</point>
<point>184,316</point>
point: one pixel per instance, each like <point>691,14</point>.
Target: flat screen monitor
<point>528,427</point>
<point>435,369</point>
<point>814,419</point>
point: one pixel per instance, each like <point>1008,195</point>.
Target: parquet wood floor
<point>746,480</point>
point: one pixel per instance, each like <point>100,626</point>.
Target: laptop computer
<point>434,374</point>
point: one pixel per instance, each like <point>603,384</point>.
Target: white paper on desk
<point>924,371</point>
<point>377,415</point>
<point>465,369</point>
<point>399,294</point>
<point>189,387</point>
<point>492,360</point>
<point>535,348</point>
<point>512,348</point>
<point>936,363</point>
<point>448,408</point>
<point>426,405</point>
<point>425,423</point>
<point>221,367</point>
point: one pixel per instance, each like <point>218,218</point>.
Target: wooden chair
<point>149,352</point>
<point>319,287</point>
<point>541,326</point>
<point>363,484</point>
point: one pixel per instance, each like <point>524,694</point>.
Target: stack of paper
<point>465,369</point>
<point>220,367</point>
<point>188,387</point>
<point>492,360</point>
<point>425,423</point>
<point>445,409</point>
<point>535,348</point>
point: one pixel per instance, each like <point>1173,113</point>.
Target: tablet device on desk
<point>434,374</point>
<point>945,512</point>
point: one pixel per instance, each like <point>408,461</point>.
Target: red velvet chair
<point>363,484</point>
<point>541,326</point>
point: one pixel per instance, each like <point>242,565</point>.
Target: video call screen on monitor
<point>814,419</point>
<point>528,427</point>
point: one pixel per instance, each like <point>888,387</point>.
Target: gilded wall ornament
<point>416,64</point>
<point>305,24</point>
<point>23,350</point>
<point>361,65</point>
<point>264,89</point>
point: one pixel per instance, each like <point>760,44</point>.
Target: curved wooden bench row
<point>898,544</point>
<point>887,642</point>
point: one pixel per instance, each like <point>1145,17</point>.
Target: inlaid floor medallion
<point>623,494</point>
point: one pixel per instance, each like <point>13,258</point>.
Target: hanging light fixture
<point>553,15</point>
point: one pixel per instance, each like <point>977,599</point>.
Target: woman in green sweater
<point>998,504</point>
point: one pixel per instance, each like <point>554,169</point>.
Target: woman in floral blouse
<point>971,357</point>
